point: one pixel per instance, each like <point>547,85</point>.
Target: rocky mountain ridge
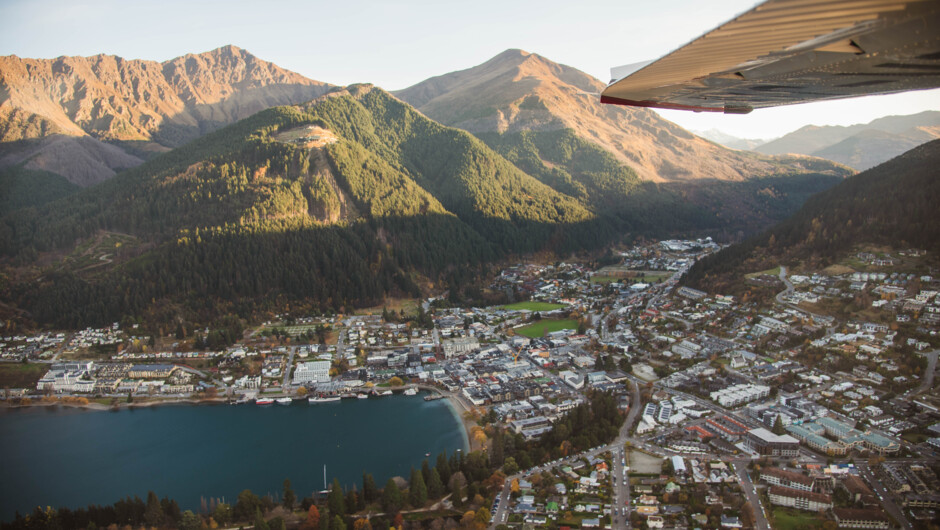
<point>140,106</point>
<point>521,91</point>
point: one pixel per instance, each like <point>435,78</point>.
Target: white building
<point>312,372</point>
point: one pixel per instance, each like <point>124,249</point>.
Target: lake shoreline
<point>98,458</point>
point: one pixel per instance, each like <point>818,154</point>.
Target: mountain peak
<point>519,91</point>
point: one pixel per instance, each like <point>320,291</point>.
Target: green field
<point>533,306</point>
<point>794,520</point>
<point>540,328</point>
<point>21,375</point>
<point>770,272</point>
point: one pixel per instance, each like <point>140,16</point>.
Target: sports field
<point>540,328</point>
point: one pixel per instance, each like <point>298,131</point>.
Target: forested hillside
<point>335,204</point>
<point>240,222</point>
<point>894,205</point>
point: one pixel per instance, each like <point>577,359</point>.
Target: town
<point>806,399</point>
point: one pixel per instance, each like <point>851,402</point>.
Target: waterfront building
<point>312,372</point>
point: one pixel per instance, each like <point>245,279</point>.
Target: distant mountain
<point>729,141</point>
<point>517,91</point>
<point>892,205</point>
<point>859,146</point>
<point>86,117</point>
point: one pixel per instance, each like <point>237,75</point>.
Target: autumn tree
<point>313,518</point>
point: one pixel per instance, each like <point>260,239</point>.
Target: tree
<point>395,381</point>
<point>337,523</point>
<point>260,523</point>
<point>510,466</point>
<point>778,427</point>
<point>391,497</point>
<point>362,524</point>
<point>336,501</point>
<point>190,521</point>
<point>369,491</point>
<point>289,497</point>
<point>313,517</point>
<point>435,485</point>
<point>457,482</point>
<point>153,516</point>
<point>417,489</point>
<point>223,514</point>
<point>352,500</point>
<point>246,505</point>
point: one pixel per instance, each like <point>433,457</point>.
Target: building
<point>764,442</point>
<point>788,479</point>
<point>151,371</point>
<point>812,435</point>
<point>739,394</point>
<point>855,518</point>
<point>801,500</point>
<point>312,372</point>
<point>460,346</point>
<point>690,293</point>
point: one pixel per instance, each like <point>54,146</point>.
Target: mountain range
<point>87,117</point>
<point>519,91</point>
<point>354,194</point>
<point>860,146</point>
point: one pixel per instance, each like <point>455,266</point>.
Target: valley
<point>613,322</point>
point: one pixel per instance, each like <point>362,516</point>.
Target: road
<point>620,483</point>
<point>340,344</point>
<point>287,369</point>
<point>750,491</point>
<point>928,376</point>
<point>619,474</point>
<point>884,496</point>
<point>789,289</point>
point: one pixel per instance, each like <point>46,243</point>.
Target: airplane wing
<point>792,51</point>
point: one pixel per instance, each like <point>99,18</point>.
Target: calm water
<point>67,457</point>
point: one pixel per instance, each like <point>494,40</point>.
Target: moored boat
<point>264,401</point>
<point>362,396</point>
<point>322,399</point>
<point>411,391</point>
<point>284,401</point>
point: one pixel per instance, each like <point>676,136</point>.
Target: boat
<point>362,396</point>
<point>264,401</point>
<point>284,401</point>
<point>347,395</point>
<point>411,391</point>
<point>386,393</point>
<point>322,399</point>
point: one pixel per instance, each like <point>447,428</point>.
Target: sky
<point>395,44</point>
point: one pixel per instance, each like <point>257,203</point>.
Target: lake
<point>71,457</point>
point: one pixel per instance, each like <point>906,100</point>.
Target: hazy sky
<point>395,44</point>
